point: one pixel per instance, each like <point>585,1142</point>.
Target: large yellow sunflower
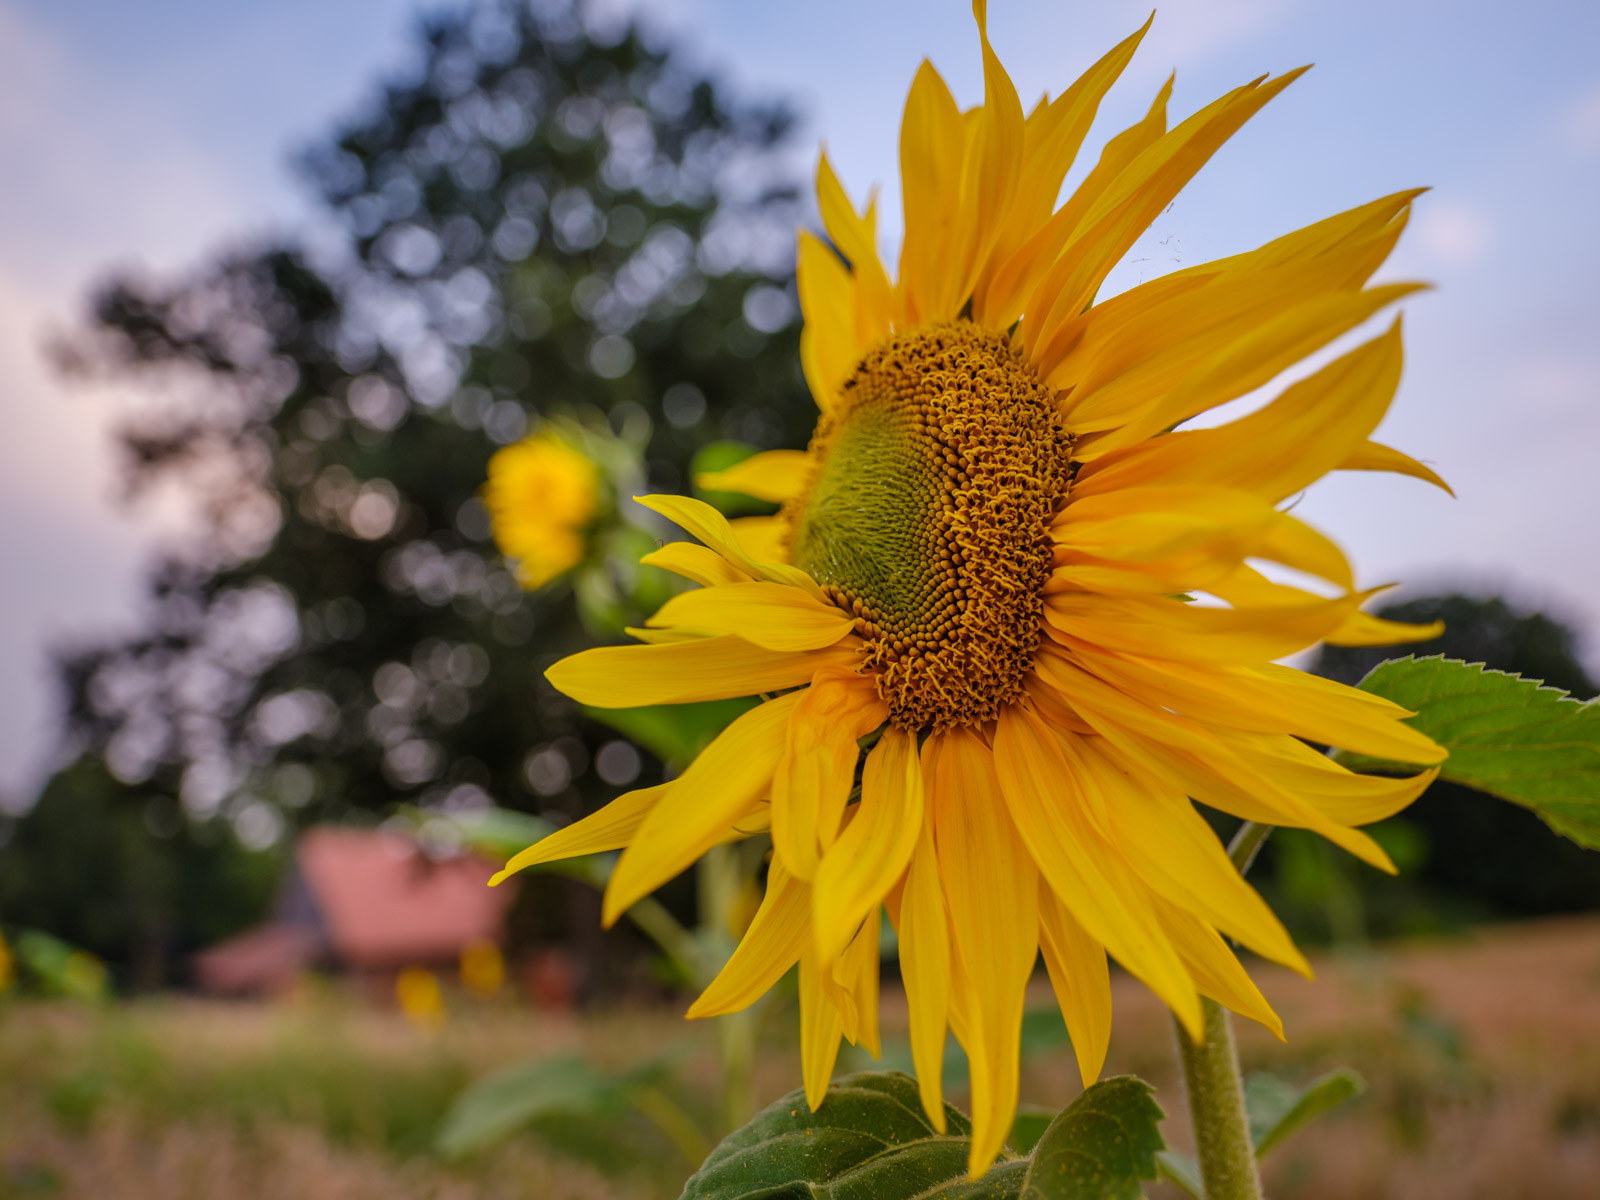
<point>1005,623</point>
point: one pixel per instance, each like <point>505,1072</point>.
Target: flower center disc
<point>927,514</point>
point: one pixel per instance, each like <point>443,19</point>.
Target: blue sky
<point>145,135</point>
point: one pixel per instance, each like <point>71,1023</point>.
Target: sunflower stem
<point>1216,1109</point>
<point>1213,1080</point>
<point>1247,843</point>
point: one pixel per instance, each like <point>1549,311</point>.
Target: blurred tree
<point>546,215</point>
<point>1464,855</point>
<point>131,883</point>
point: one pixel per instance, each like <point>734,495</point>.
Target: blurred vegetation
<point>547,217</point>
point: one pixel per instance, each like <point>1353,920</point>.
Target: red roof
<point>266,959</point>
<point>384,903</point>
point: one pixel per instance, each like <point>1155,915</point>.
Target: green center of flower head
<point>927,518</point>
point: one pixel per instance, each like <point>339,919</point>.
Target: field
<point>1483,1056</point>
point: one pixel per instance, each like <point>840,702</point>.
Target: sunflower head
<point>927,516</point>
<point>1008,622</point>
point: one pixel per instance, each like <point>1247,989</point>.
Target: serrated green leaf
<point>1278,1109</point>
<point>1508,736</point>
<point>1100,1147</point>
<point>674,733</point>
<point>1181,1170</point>
<point>508,1099</point>
<point>869,1140</point>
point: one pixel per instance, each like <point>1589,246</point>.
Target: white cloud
<point>1581,124</point>
<point>1454,233</point>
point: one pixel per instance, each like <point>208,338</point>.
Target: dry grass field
<point>1483,1057</point>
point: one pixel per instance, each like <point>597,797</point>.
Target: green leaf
<point>508,1099</point>
<point>1032,1120</point>
<point>1508,736</point>
<point>869,1140</point>
<point>1181,1170</point>
<point>674,733</point>
<point>1100,1147</point>
<point>1278,1109</point>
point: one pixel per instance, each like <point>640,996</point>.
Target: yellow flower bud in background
<point>421,999</point>
<point>542,495</point>
<point>483,968</point>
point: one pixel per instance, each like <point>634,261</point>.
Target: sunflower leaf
<point>1100,1147</point>
<point>514,1096</point>
<point>1278,1109</point>
<point>869,1140</point>
<point>1508,736</point>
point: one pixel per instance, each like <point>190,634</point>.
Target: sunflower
<point>1005,623</point>
<point>542,494</point>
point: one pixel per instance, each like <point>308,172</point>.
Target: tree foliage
<point>543,216</point>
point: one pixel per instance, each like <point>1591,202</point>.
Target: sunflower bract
<point>1004,556</point>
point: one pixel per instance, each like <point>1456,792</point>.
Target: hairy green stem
<point>1216,1109</point>
<point>1212,1079</point>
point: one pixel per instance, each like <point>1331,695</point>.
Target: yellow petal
<point>770,615</point>
<point>814,776</point>
<point>1293,543</point>
<point>856,974</point>
<point>857,239</point>
<point>1180,857</point>
<point>992,886</point>
<point>1345,796</point>
<point>1250,361</point>
<point>1364,629</point>
<point>1199,762</point>
<point>729,777</point>
<point>771,945</point>
<point>1309,430</point>
<point>767,538</point>
<point>820,1029</point>
<point>1042,787</point>
<point>1279,700</point>
<point>1132,353</point>
<point>827,301</point>
<point>611,828</point>
<point>775,475</point>
<point>711,527</point>
<point>872,853</point>
<point>1137,195</point>
<point>1216,971</point>
<point>932,145</point>
<point>679,673</point>
<point>1389,739</point>
<point>1160,627</point>
<point>989,180</point>
<point>1053,135</point>
<point>699,563</point>
<point>1245,587</point>
<point>1081,981</point>
<point>1039,329</point>
<point>925,968</point>
<point>1374,456</point>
